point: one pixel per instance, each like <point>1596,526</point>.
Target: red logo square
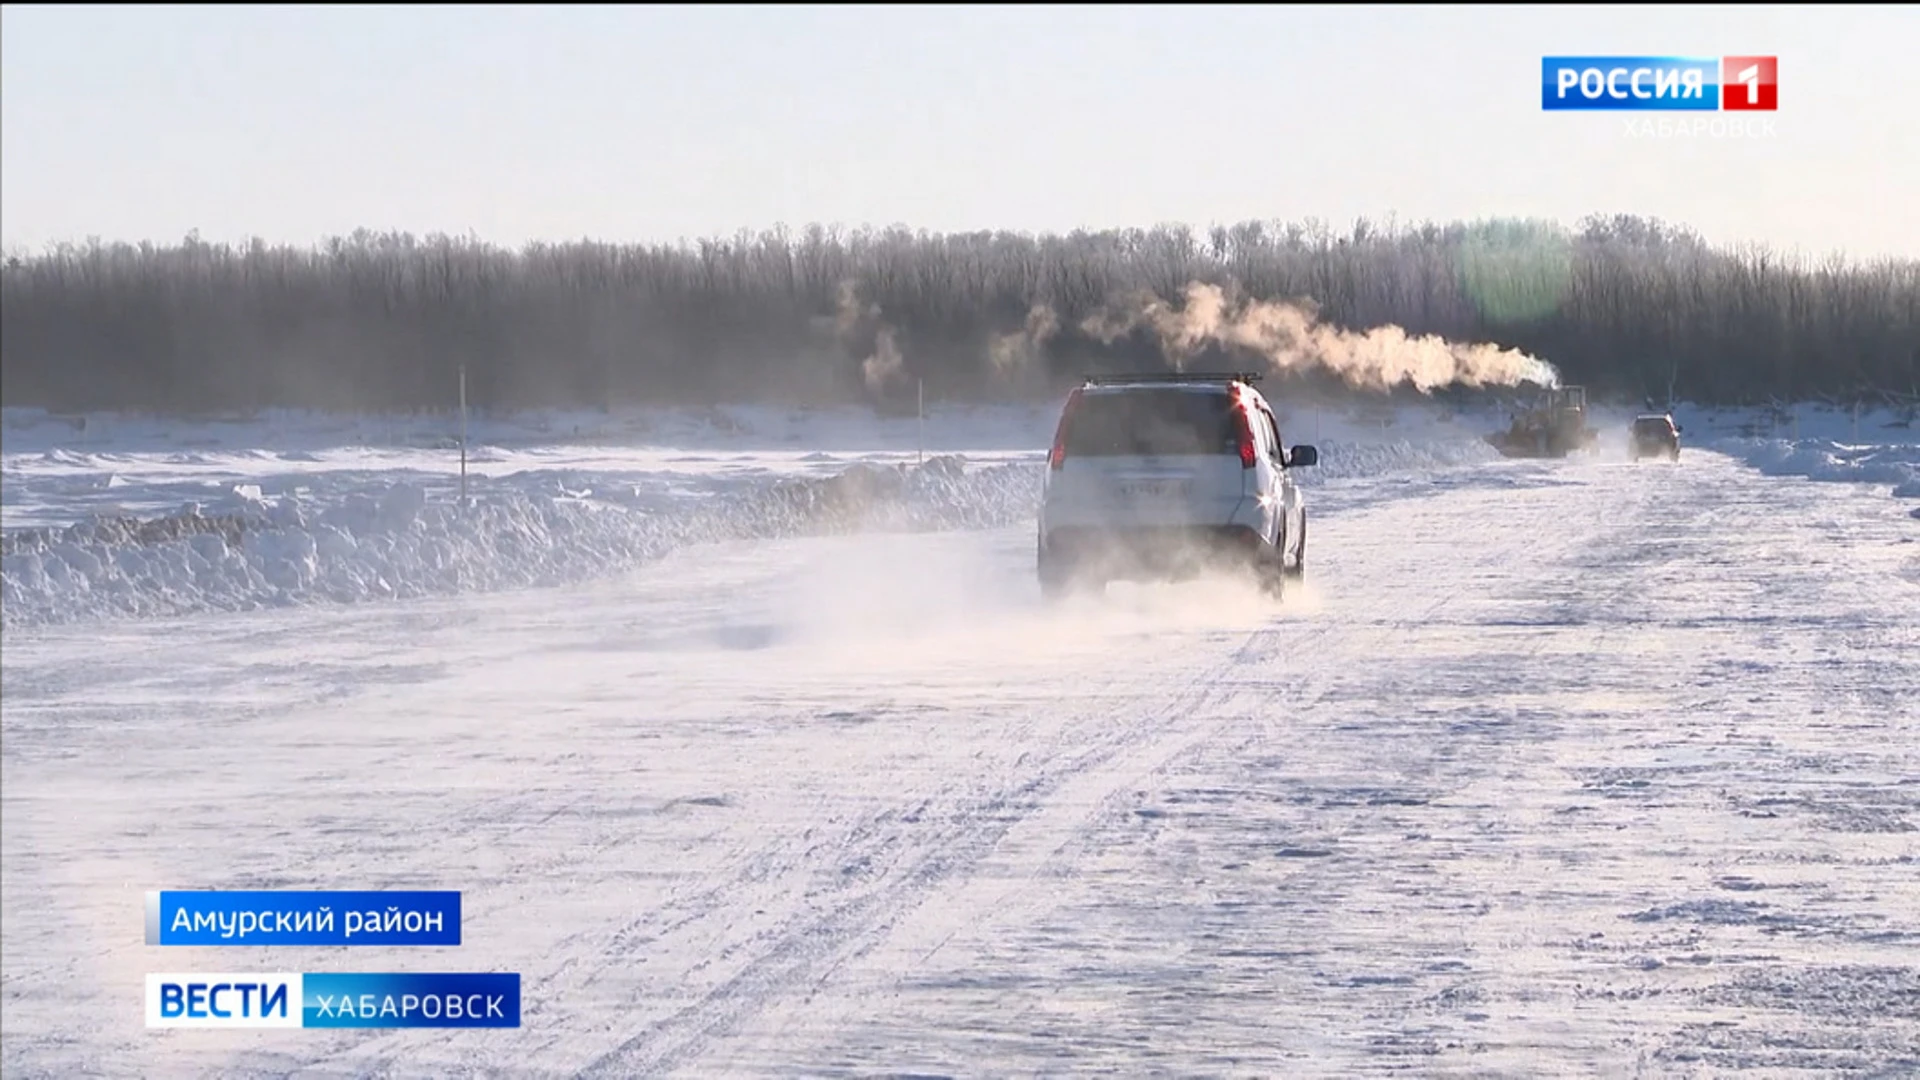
<point>1749,83</point>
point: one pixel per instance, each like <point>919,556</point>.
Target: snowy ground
<point>1554,768</point>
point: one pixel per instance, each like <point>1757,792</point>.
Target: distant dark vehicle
<point>1655,435</point>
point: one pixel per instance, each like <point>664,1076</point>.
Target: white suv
<point>1163,476</point>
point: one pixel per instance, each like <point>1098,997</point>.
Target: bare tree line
<point>1627,306</point>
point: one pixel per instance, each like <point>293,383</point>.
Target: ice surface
<point>1570,767</point>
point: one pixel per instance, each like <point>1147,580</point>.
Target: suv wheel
<point>1298,570</point>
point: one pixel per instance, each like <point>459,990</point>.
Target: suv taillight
<point>1243,426</point>
<point>1059,455</point>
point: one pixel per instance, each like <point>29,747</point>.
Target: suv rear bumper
<point>1148,552</point>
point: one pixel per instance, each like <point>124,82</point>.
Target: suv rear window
<point>1152,423</point>
<point>1649,425</point>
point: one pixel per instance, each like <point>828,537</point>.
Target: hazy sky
<point>655,123</point>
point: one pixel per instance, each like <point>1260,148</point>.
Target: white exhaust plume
<point>1020,350</point>
<point>1290,337</point>
<point>886,364</point>
<point>853,323</point>
<point>849,315</point>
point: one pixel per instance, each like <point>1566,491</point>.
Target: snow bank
<point>1879,447</point>
<point>731,427</point>
<point>57,471</point>
<point>1344,460</point>
<point>1896,466</point>
<point>404,544</point>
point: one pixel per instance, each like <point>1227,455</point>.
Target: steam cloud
<point>853,323</point>
<point>1020,350</point>
<point>1290,337</point>
<point>1287,335</point>
<point>886,364</point>
<point>848,313</point>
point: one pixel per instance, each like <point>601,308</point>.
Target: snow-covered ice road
<point>1558,768</point>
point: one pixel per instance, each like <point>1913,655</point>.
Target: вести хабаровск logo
<point>468,999</point>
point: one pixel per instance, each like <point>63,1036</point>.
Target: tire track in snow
<point>1063,786</point>
<point>812,907</point>
<point>1049,847</point>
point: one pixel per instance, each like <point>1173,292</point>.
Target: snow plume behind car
<point>897,599</point>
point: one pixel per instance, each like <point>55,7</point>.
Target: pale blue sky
<point>655,123</point>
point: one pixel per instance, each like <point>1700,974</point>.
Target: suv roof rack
<point>1175,376</point>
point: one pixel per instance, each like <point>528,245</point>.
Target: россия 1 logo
<point>1660,83</point>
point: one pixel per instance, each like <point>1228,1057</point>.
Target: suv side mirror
<point>1677,429</point>
<point>1301,456</point>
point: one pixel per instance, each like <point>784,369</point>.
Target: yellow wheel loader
<point>1555,427</point>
